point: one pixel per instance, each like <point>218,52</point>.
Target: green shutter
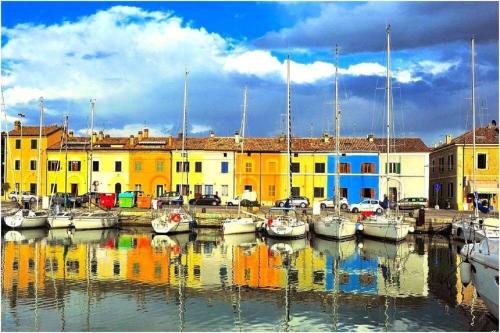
<point>398,168</point>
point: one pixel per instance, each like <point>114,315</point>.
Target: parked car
<point>248,199</point>
<point>25,196</point>
<point>413,203</point>
<point>297,201</point>
<point>366,205</point>
<point>329,203</point>
<point>207,199</point>
<point>85,197</point>
<point>66,199</point>
<point>171,198</point>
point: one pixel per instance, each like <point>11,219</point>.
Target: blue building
<point>359,175</point>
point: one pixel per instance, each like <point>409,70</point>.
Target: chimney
<point>139,135</point>
<point>237,137</point>
<point>326,137</point>
<point>493,124</point>
<point>94,137</point>
<point>448,139</point>
<point>146,133</point>
<point>370,137</point>
<point>170,141</point>
<point>17,125</point>
<point>281,138</point>
<point>101,135</point>
<point>211,134</point>
<point>70,134</point>
<point>107,136</point>
<point>131,140</point>
<point>179,135</point>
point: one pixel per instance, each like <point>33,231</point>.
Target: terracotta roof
<point>484,136</point>
<point>35,130</point>
<point>402,145</point>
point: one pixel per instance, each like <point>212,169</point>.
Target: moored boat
<point>386,227</point>
<point>173,220</point>
<point>94,220</point>
<point>26,218</point>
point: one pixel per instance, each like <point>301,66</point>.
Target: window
<point>319,167</point>
<point>295,167</point>
<point>224,167</point>
<point>95,166</point>
<point>18,143</point>
<point>441,164</point>
<point>295,191</point>
<point>248,188</point>
<point>209,189</point>
<point>138,165</point>
<point>33,188</point>
<point>481,161</point>
<point>394,167</point>
<point>118,166</point>
<point>433,165</point>
<point>319,192</point>
<point>450,190</point>
<point>296,155</point>
<point>185,189</point>
<point>224,190</point>
<point>178,166</point>
<point>197,190</point>
<point>248,167</point>
<point>17,165</point>
<point>343,192</point>
<point>53,188</point>
<point>34,143</point>
<point>451,162</point>
<point>249,154</point>
<point>53,165</point>
<point>368,193</point>
<point>33,165</point>
<point>138,187</point>
<point>116,267</point>
<point>160,166</point>
<point>271,166</point>
<point>344,167</point>
<point>272,190</point>
<point>225,154</point>
<point>368,168</point>
<point>197,166</point>
<point>74,165</point>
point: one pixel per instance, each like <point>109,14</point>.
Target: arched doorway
<point>118,188</point>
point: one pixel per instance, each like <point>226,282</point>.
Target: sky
<point>131,57</point>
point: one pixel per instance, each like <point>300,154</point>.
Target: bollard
<point>203,210</point>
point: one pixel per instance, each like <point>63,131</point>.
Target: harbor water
<point>133,280</point>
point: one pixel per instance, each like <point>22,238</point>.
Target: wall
<point>150,175</point>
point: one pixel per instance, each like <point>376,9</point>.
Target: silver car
<point>297,201</point>
<point>329,203</point>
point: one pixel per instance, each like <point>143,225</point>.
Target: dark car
<point>171,198</point>
<point>413,203</point>
<point>207,199</point>
<point>85,197</point>
<point>66,200</point>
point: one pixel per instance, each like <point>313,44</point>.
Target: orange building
<point>147,264</point>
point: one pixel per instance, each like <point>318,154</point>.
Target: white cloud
<point>436,68</point>
<point>198,128</point>
<point>132,129</point>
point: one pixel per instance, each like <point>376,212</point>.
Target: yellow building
<point>22,159</point>
<point>451,166</point>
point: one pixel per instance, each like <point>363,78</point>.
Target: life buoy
<point>270,221</point>
<point>175,217</point>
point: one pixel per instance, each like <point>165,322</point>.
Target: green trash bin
<point>125,242</point>
<point>126,200</point>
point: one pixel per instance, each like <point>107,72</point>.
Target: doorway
<point>74,189</point>
<point>118,188</point>
<point>159,190</point>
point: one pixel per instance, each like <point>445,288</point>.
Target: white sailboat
<point>336,225</point>
<point>481,267</point>
<point>93,219</point>
<point>474,228</point>
<point>239,224</point>
<point>283,222</point>
<point>388,226</point>
<point>28,218</point>
<point>175,220</point>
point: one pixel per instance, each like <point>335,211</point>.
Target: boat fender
<point>175,217</point>
<point>465,272</point>
<point>359,226</point>
<point>269,221</point>
<point>411,229</point>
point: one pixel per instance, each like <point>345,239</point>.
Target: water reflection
<point>55,280</point>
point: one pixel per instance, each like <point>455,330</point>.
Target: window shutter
<point>372,193</point>
<point>348,167</point>
<point>385,171</point>
<point>398,168</point>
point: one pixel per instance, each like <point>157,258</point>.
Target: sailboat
<point>174,220</point>
<point>336,225</point>
<point>284,222</point>
<point>474,228</point>
<point>239,224</point>
<point>28,218</point>
<point>93,219</point>
<point>388,226</point>
<point>56,218</point>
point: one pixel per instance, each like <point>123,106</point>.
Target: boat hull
<point>59,222</point>
<point>162,227</point>
<point>238,226</point>
<point>335,228</point>
<point>18,221</point>
<point>287,231</point>
<point>388,231</point>
<point>94,222</point>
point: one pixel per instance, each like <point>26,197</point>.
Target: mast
<point>242,131</point>
<point>289,128</point>
<point>473,74</point>
<point>4,167</point>
<point>65,155</point>
<point>92,111</point>
<point>337,133</point>
<point>39,166</point>
<point>388,101</point>
<point>184,125</point>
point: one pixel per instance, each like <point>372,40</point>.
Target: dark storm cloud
<point>360,28</point>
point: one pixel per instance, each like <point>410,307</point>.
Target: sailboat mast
<point>242,130</point>
<point>289,131</point>
<point>184,112</point>
<point>66,156</point>
<point>473,74</point>
<point>4,114</point>
<point>91,167</point>
<point>388,101</point>
<point>337,132</point>
<point>39,166</point>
